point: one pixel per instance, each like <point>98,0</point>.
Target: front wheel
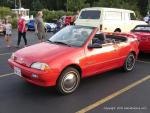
<point>129,63</point>
<point>68,81</point>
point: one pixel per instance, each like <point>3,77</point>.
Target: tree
<point>36,5</point>
<point>74,5</point>
<point>4,11</point>
<point>141,6</point>
<point>144,6</point>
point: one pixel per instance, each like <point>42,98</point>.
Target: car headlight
<point>40,66</point>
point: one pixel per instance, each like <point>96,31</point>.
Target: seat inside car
<point>99,38</point>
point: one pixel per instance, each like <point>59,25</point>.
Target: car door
<point>100,59</point>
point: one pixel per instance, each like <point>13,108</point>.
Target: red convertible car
<point>142,32</point>
<point>73,53</point>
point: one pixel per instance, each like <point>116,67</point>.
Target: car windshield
<point>72,36</point>
<point>142,29</point>
<point>90,14</point>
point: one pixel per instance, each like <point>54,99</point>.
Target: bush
<point>14,22</point>
<point>50,16</point>
<point>53,15</point>
<point>4,11</point>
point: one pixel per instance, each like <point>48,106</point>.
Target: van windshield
<point>90,14</point>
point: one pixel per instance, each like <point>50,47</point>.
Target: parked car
<point>30,25</point>
<point>49,26</point>
<point>73,53</point>
<point>143,34</point>
<point>108,19</point>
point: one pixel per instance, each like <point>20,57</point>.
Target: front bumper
<point>45,78</point>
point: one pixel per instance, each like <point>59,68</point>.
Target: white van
<point>108,19</point>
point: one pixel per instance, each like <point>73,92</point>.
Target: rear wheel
<point>129,63</point>
<point>68,81</point>
<point>117,30</point>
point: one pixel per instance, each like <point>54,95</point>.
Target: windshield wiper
<point>50,41</point>
<point>63,43</point>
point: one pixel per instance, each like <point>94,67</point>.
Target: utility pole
<point>149,5</point>
<point>15,4</point>
<point>67,5</point>
<point>19,3</point>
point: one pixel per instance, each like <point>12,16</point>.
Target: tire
<point>129,63</point>
<point>117,30</point>
<point>68,81</point>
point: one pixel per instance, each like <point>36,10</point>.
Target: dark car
<point>48,26</point>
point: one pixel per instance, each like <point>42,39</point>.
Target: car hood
<point>43,52</point>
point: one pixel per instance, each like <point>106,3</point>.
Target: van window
<point>112,15</point>
<point>90,14</point>
<point>132,16</point>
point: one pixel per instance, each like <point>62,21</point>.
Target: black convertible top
<point>141,28</point>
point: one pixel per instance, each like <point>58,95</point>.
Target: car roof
<point>106,9</point>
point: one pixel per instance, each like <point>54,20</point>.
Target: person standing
<point>21,30</point>
<point>8,33</point>
<point>39,27</point>
<point>149,19</point>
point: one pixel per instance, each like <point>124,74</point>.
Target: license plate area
<point>17,71</point>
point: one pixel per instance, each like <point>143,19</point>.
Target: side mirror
<point>95,45</point>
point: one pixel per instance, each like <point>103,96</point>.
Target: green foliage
<point>52,15</point>
<point>36,5</point>
<point>140,6</point>
<point>14,22</point>
<point>4,11</point>
<point>123,4</point>
<point>74,5</point>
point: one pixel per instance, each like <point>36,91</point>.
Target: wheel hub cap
<point>69,81</point>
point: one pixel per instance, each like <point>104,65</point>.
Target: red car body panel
<point>144,39</point>
<point>58,57</point>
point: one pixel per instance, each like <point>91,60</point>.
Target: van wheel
<point>129,63</point>
<point>117,30</point>
<point>68,81</point>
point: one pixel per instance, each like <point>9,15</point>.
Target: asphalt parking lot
<point>110,92</point>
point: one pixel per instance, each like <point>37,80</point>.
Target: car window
<point>99,38</point>
<point>132,16</point>
<point>113,15</point>
<point>90,14</point>
<point>73,35</point>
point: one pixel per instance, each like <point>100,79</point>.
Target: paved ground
<point>31,38</point>
<point>110,92</point>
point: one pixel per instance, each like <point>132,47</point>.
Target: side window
<point>132,16</point>
<point>113,15</point>
<point>90,14</point>
<point>99,39</point>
